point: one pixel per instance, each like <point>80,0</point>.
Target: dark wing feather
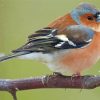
<point>48,39</point>
<point>42,33</point>
<point>78,36</point>
<point>42,40</point>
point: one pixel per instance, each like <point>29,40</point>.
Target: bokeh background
<point>20,18</point>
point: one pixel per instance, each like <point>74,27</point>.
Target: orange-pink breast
<point>79,59</point>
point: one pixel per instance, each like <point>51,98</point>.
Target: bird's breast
<point>79,59</point>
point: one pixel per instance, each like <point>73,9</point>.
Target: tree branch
<point>51,81</point>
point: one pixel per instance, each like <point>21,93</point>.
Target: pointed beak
<point>97,16</point>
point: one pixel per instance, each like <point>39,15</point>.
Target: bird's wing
<point>48,39</point>
<point>42,40</point>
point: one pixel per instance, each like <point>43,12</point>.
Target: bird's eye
<point>90,18</point>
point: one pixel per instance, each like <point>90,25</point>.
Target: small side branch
<point>51,81</point>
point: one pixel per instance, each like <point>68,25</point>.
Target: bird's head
<point>87,15</point>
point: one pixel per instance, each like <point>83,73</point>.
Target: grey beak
<point>97,17</point>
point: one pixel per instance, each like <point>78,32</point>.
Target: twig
<point>51,81</point>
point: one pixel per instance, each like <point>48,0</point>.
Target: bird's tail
<point>3,58</point>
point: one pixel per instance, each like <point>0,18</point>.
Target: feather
<point>3,58</point>
<point>48,40</point>
<point>82,9</point>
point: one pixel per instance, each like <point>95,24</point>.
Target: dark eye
<point>90,18</point>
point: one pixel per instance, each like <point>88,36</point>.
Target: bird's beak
<point>98,17</point>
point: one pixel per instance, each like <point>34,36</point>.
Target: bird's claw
<point>58,74</point>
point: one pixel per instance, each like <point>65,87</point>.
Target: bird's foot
<point>58,74</point>
<point>76,75</point>
<point>76,79</point>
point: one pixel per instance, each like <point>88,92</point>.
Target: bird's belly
<point>75,60</point>
<point>78,60</point>
<point>72,60</point>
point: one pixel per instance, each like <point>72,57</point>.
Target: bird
<point>70,43</point>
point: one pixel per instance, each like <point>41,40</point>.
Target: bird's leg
<point>76,76</point>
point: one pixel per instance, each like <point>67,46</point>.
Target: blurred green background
<point>20,18</point>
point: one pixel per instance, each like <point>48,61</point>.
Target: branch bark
<point>49,81</point>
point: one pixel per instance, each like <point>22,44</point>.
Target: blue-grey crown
<point>82,9</point>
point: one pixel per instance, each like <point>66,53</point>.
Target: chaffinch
<point>72,42</point>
